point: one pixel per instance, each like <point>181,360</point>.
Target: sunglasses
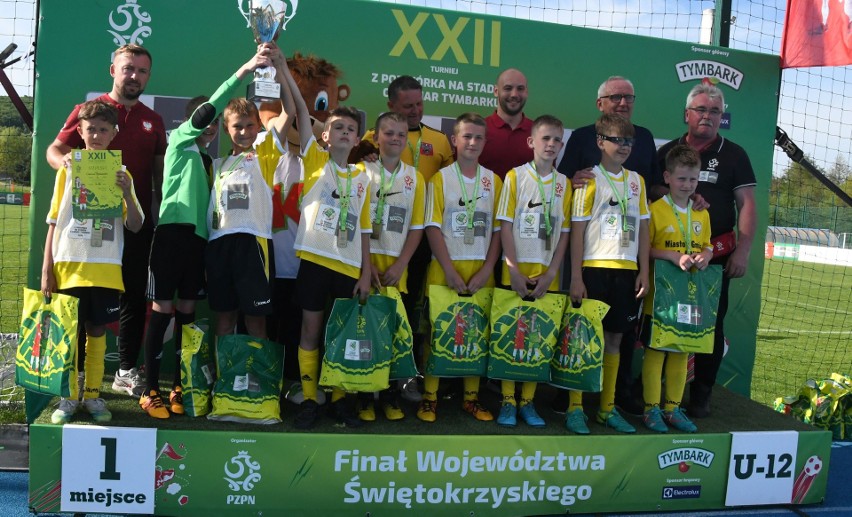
<point>618,140</point>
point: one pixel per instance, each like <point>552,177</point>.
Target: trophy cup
<point>266,18</point>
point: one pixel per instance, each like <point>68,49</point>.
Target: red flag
<point>169,451</point>
<point>817,33</point>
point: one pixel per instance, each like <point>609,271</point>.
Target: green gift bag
<point>250,374</point>
<point>197,369</point>
<point>523,335</point>
<point>402,362</point>
<point>358,347</point>
<point>578,359</point>
<point>685,305</point>
<point>46,359</point>
<point>459,332</point>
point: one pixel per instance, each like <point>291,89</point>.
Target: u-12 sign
<point>761,468</point>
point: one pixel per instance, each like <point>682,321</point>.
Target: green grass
<point>14,249</point>
<point>805,328</point>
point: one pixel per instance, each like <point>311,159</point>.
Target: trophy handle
<point>294,4</point>
<point>247,13</point>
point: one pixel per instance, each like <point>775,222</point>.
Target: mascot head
<point>317,81</point>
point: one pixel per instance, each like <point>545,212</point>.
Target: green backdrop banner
<point>456,56</point>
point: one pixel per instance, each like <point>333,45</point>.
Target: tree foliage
<point>15,153</point>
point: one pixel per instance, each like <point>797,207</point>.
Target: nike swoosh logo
<point>612,202</point>
<point>533,205</point>
<point>334,194</point>
<point>388,194</point>
<point>462,203</point>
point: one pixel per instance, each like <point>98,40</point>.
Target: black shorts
<point>176,264</point>
<point>616,288</point>
<point>315,284</point>
<point>98,305</point>
<point>238,274</point>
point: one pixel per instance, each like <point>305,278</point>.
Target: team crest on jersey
<point>559,189</point>
<point>486,184</point>
<point>426,149</point>
<point>408,186</point>
<point>696,227</point>
<point>360,192</point>
<point>249,157</point>
<point>712,164</point>
<point>147,126</point>
<point>634,189</point>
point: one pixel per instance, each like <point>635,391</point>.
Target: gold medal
<point>547,243</point>
<point>97,234</point>
<point>341,237</point>
<point>214,223</point>
<point>625,238</point>
<point>377,231</point>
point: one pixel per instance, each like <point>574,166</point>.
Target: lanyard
<point>344,198</point>
<point>687,233</point>
<point>547,204</point>
<point>224,174</point>
<point>622,200</point>
<point>384,187</point>
<point>415,155</point>
<point>469,202</point>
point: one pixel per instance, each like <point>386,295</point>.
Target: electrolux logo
<point>682,492</point>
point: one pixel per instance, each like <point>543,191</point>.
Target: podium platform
<point>745,454</point>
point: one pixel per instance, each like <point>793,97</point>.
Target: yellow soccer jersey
<point>316,239</point>
<point>407,196</point>
<point>597,205</point>
<point>434,151</point>
<point>444,204</point>
<point>665,234</point>
<point>72,273</point>
<point>522,205</point>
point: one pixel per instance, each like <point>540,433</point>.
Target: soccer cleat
<point>392,410</point>
<point>410,390</point>
<point>176,401</point>
<point>615,421</point>
<point>653,420</point>
<point>65,411</point>
<point>130,383</point>
<point>426,411</point>
<point>367,411</point>
<point>152,403</point>
<point>81,385</point>
<point>575,421</point>
<point>308,414</point>
<point>508,416</point>
<point>295,395</point>
<point>529,415</point>
<point>97,408</point>
<point>477,410</point>
<point>678,419</point>
<point>342,412</point>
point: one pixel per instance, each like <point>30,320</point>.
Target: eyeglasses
<point>618,140</point>
<point>702,111</point>
<point>618,97</point>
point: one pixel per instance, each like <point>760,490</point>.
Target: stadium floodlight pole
<point>797,155</point>
<point>26,116</point>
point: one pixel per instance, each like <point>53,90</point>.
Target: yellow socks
<point>94,366</point>
<point>675,379</point>
<point>652,371</point>
<point>610,372</point>
<point>309,371</point>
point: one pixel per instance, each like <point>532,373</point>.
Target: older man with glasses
<point>727,182</point>
<point>615,96</point>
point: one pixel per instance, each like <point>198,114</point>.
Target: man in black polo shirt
<point>727,183</point>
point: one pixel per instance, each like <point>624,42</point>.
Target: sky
<point>815,105</point>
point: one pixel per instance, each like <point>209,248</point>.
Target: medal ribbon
<point>344,199</point>
<point>547,204</point>
<point>383,189</point>
<point>622,200</point>
<point>687,233</point>
<point>415,155</point>
<point>469,202</point>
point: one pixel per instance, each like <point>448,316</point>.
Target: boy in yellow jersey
<point>333,243</point>
<point>681,235</point>
<point>535,218</point>
<point>83,259</point>
<point>609,257</point>
<point>239,220</point>
<point>463,258</point>
<point>396,213</point>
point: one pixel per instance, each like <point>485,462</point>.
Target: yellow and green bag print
<point>358,347</point>
<point>685,307</point>
<point>578,359</point>
<point>402,364</point>
<point>250,374</point>
<point>459,332</point>
<point>46,359</point>
<point>523,334</point>
<point>197,369</point>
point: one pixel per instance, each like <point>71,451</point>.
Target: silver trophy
<point>266,18</point>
